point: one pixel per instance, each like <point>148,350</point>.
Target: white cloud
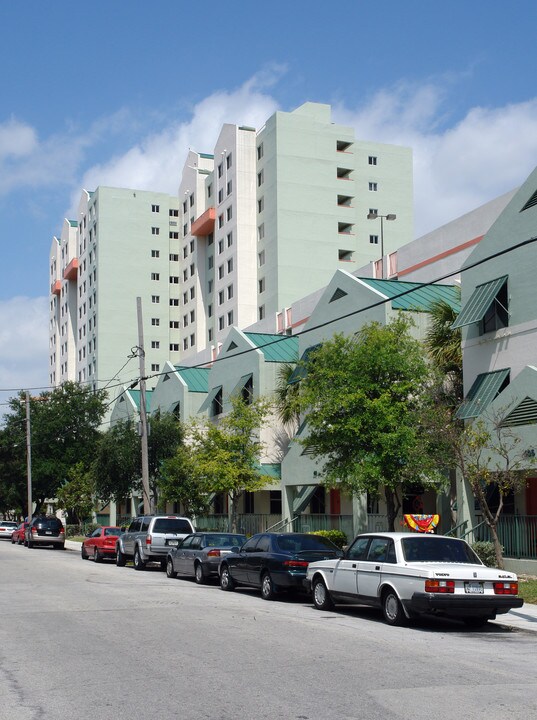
<point>16,139</point>
<point>23,345</point>
<point>485,154</point>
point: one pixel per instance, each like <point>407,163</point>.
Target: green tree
<point>286,395</point>
<point>180,482</point>
<point>227,455</point>
<point>65,429</point>
<point>76,495</point>
<point>115,470</point>
<point>361,396</point>
<point>165,438</point>
<point>443,346</point>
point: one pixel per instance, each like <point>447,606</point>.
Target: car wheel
<point>12,541</point>
<point>170,572</point>
<point>226,581</point>
<point>476,622</point>
<point>121,558</point>
<point>83,553</point>
<point>392,608</point>
<point>199,575</point>
<point>19,541</point>
<point>59,547</point>
<point>139,564</point>
<point>97,557</point>
<point>321,596</point>
<point>268,591</point>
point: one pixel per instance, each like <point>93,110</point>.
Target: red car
<point>18,534</point>
<point>101,543</point>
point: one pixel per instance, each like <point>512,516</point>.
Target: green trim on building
<point>73,223</point>
<point>486,387</point>
<point>420,297</point>
<point>275,348</point>
<point>197,379</point>
<point>272,469</point>
<point>479,302</point>
<point>135,395</point>
<point>206,156</point>
<point>210,397</point>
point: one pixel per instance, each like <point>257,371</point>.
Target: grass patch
<point>527,589</point>
<point>77,538</point>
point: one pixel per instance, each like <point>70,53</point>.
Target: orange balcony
<point>56,287</point>
<point>71,271</point>
<point>204,224</point>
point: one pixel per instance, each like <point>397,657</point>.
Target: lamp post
<point>374,216</point>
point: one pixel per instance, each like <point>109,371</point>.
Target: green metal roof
<point>485,389</point>
<point>135,395</point>
<point>419,297</point>
<point>275,348</point>
<point>207,156</point>
<point>197,379</point>
<point>73,223</point>
<point>479,302</point>
<point>272,469</point>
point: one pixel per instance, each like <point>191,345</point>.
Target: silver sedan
<point>200,553</point>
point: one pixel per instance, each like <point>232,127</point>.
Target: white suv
<point>149,537</point>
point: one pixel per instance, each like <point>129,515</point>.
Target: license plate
<point>48,532</point>
<point>474,588</point>
<point>175,543</point>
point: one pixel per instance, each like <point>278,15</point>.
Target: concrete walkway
<point>522,619</point>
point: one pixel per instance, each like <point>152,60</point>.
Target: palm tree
<point>287,396</point>
<point>443,345</point>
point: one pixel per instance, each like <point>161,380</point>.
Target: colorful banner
<point>422,523</point>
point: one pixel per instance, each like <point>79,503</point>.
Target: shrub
<point>485,552</point>
<point>83,529</point>
<point>338,537</point>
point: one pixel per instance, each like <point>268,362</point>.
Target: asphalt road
<point>83,641</point>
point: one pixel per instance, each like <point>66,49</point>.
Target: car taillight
<point>148,540</point>
<point>440,586</point>
<point>62,530</point>
<point>506,588</point>
<point>296,563</point>
<point>34,529</point>
<point>213,553</point>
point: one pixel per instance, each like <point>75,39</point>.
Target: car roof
<point>401,535</point>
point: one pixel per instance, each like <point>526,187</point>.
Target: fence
<point>517,534</point>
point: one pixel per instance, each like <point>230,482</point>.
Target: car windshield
<point>8,524</point>
<point>224,541</point>
<point>113,531</point>
<point>433,549</point>
<point>172,525</point>
<point>303,543</point>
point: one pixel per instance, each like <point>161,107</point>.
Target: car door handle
<point>354,565</point>
<point>377,567</point>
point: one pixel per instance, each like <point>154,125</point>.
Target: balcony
<point>204,224</point>
<point>71,271</point>
<point>56,287</point>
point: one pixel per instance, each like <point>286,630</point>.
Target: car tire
<point>83,553</point>
<point>12,541</point>
<point>20,542</point>
<point>226,581</point>
<point>97,557</point>
<point>59,547</point>
<point>268,591</point>
<point>170,572</point>
<point>321,597</point>
<point>392,609</point>
<point>199,574</point>
<point>121,558</point>
<point>139,564</point>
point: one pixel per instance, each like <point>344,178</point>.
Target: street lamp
<point>373,216</point>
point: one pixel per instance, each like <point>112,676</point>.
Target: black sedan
<point>199,554</point>
<point>274,561</point>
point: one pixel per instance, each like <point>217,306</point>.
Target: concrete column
<point>359,514</point>
<point>465,508</point>
<point>288,496</point>
<point>113,512</point>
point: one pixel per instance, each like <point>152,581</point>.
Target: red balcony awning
<point>204,224</point>
<point>56,287</point>
<point>71,271</point>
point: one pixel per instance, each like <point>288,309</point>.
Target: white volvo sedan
<point>408,575</point>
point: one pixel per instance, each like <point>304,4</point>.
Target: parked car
<point>199,555</point>
<point>45,530</point>
<point>101,543</point>
<point>149,538</point>
<point>408,575</point>
<point>18,535</point>
<point>7,528</point>
<point>274,562</point>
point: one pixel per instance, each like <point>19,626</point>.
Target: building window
<point>210,262</point>
<point>221,322</point>
<point>261,312</point>
<point>373,211</point>
<point>155,208</point>
<point>344,173</point>
<point>210,286</point>
<point>260,178</point>
<point>220,272</point>
<point>174,257</point>
<point>260,151</point>
<point>155,299</point>
<point>209,190</point>
<point>185,344</point>
<point>185,320</point>
<point>220,195</point>
<point>217,405</point>
<point>185,298</point>
<point>260,204</point>
<point>174,302</point>
<point>185,229</point>
<point>275,499</point>
<point>155,253</point>
<point>192,316</point>
<point>209,310</point>
<point>155,367</point>
<point>229,188</point>
<point>220,246</point>
<point>229,239</point>
<point>372,160</point>
<point>174,236</point>
<point>228,161</point>
<point>261,231</point>
<point>192,293</point>
<point>229,213</point>
<point>192,269</point>
<point>192,340</point>
<point>261,284</point>
<point>230,265</point>
<point>261,258</point>
<point>155,276</point>
<point>155,231</point>
<point>184,207</point>
<point>174,324</point>
<point>185,251</point>
<point>229,292</point>
<point>155,344</point>
<point>210,335</point>
<point>374,239</point>
<point>230,318</point>
<point>192,200</point>
<point>373,186</point>
<point>174,213</point>
<point>174,279</point>
<point>155,321</point>
<point>221,297</point>
<point>220,221</point>
<point>191,246</point>
<point>174,347</point>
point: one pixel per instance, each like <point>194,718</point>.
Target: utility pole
<point>143,413</point>
<point>29,456</point>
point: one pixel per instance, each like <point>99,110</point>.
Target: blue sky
<point>115,92</point>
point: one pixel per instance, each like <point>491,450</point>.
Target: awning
<point>210,397</point>
<point>485,389</point>
<point>242,382</point>
<point>479,302</point>
<point>301,370</point>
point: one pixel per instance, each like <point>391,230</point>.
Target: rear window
<point>48,523</point>
<point>301,543</point>
<point>172,525</point>
<point>428,549</point>
<point>224,541</point>
<point>113,531</point>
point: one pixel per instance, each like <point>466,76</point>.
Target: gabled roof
<point>196,379</point>
<point>419,297</point>
<point>135,395</point>
<point>275,348</point>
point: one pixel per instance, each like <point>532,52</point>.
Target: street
<point>84,641</point>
